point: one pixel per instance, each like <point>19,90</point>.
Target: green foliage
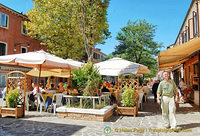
<point>12,98</point>
<point>79,78</point>
<point>67,27</point>
<point>136,44</point>
<point>87,77</point>
<point>129,97</point>
<point>87,103</point>
<point>90,16</point>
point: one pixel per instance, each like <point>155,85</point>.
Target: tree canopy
<point>69,28</point>
<point>136,44</point>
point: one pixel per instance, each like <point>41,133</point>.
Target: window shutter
<point>191,28</point>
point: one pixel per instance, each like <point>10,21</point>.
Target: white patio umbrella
<point>74,64</point>
<point>35,59</point>
<point>118,66</point>
<point>39,59</point>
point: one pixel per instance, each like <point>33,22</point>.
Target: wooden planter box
<point>14,112</point>
<point>127,111</point>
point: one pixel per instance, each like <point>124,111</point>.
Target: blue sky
<point>168,15</point>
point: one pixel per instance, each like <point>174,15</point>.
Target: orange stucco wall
<point>13,34</point>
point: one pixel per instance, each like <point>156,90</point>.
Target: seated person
<point>60,88</point>
<point>41,88</point>
<point>75,91</point>
<point>104,89</point>
<point>33,94</point>
<point>52,89</point>
<point>47,87</point>
<point>66,91</point>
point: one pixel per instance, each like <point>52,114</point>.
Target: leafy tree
<point>136,44</point>
<point>67,27</point>
<point>92,21</point>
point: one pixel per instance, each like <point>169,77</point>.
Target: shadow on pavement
<point>185,108</point>
<point>189,126</point>
<point>114,118</point>
<point>10,126</point>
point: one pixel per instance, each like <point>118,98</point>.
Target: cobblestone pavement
<point>147,123</point>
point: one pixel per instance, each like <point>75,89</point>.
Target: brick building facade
<point>14,38</point>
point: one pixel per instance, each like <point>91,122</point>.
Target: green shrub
<point>129,97</point>
<point>87,78</point>
<point>12,98</point>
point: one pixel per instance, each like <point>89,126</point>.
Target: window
<point>23,50</point>
<point>3,80</point>
<point>3,20</point>
<point>24,31</point>
<point>183,37</point>
<point>2,49</point>
<point>195,24</point>
<point>187,33</point>
<point>96,56</point>
<point>195,68</point>
<point>103,58</point>
<point>180,40</point>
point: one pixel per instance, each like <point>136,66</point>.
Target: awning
<point>177,54</point>
<point>65,73</point>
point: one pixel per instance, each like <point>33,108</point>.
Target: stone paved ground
<point>148,120</point>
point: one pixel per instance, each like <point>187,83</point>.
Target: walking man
<point>165,95</point>
<point>154,90</point>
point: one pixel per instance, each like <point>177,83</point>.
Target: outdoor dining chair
<point>140,101</point>
<point>58,101</point>
<point>27,101</point>
<point>40,102</point>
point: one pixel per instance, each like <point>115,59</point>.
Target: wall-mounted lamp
<point>15,44</point>
<point>28,45</point>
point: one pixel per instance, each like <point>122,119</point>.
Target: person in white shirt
<point>34,92</point>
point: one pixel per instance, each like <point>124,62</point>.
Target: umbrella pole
<point>137,94</point>
<point>39,77</point>
<point>117,90</point>
<point>69,79</point>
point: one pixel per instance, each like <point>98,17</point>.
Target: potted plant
<point>129,102</point>
<point>12,102</point>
